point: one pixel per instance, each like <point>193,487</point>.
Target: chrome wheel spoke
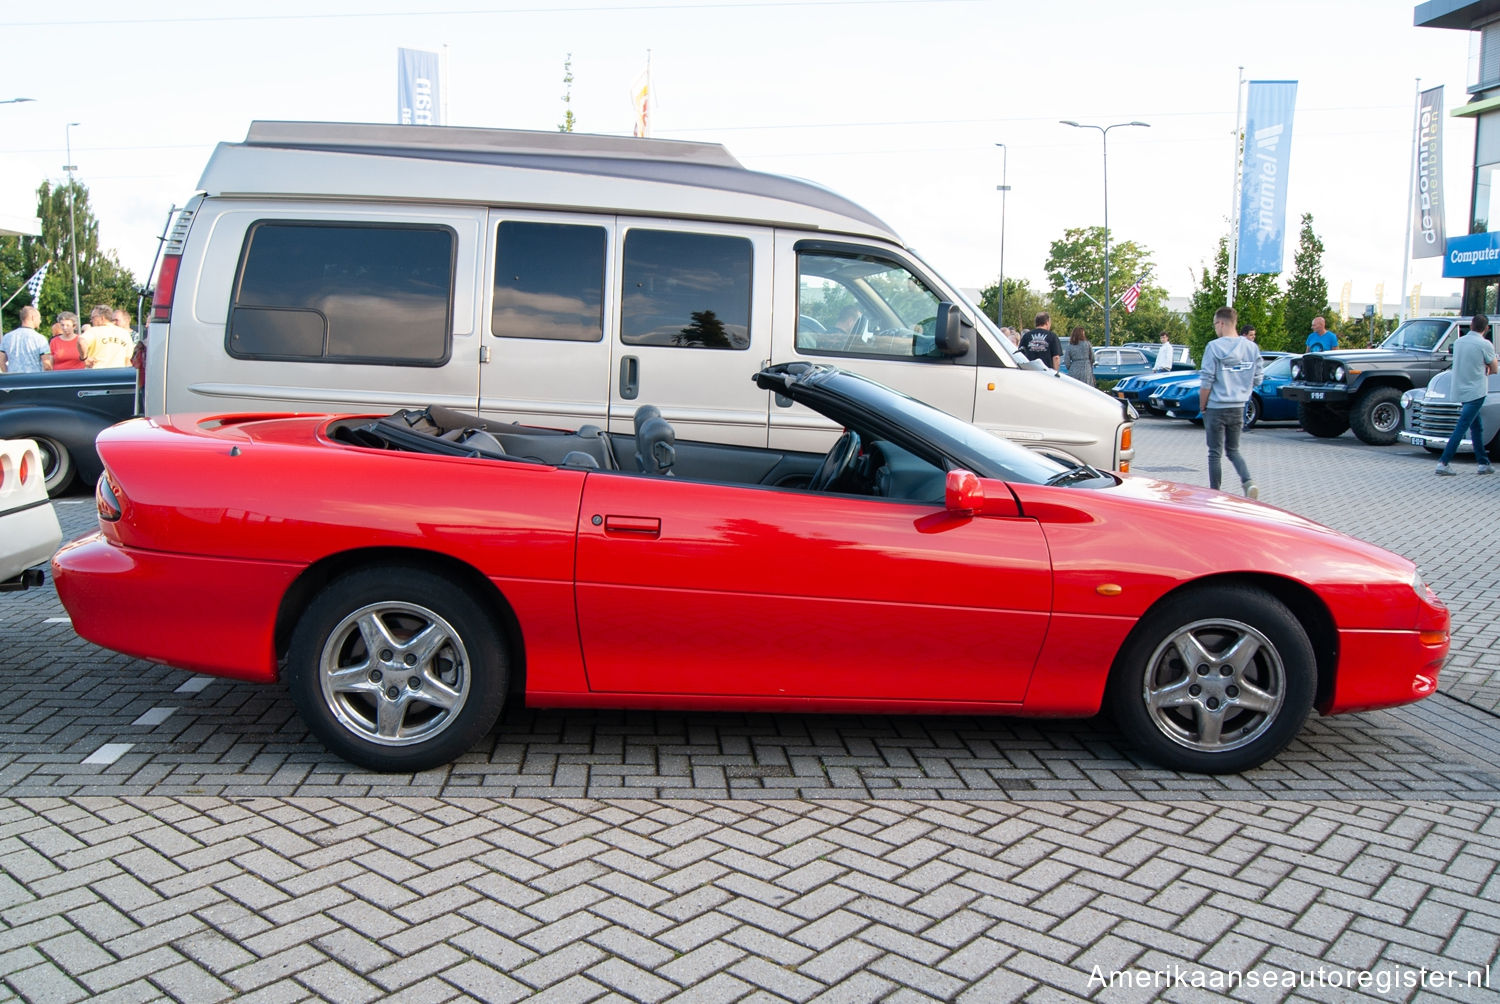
<point>438,694</point>
<point>1173,695</point>
<point>376,635</point>
<point>1253,698</point>
<point>1210,725</point>
<point>1240,655</point>
<point>426,643</point>
<point>390,716</point>
<point>352,679</point>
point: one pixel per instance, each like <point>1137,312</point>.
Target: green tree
<point>1307,290</point>
<point>101,277</point>
<point>1022,303</point>
<point>1079,256</point>
<point>568,121</point>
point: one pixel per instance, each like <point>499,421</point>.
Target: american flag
<point>1070,286</point>
<point>34,284</point>
<point>1131,297</point>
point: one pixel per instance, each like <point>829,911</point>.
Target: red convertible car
<point>405,575</point>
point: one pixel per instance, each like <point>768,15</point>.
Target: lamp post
<point>1104,134</point>
<point>72,226</point>
<point>1003,189</point>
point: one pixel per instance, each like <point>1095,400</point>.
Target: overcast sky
<point>897,104</point>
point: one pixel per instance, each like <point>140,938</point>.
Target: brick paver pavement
<point>164,836</point>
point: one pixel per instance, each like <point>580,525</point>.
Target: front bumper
<point>1430,442</point>
<point>1316,393</point>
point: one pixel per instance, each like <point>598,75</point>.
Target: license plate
<point>1316,395</point>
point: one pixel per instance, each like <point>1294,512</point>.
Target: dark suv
<point>1361,388</point>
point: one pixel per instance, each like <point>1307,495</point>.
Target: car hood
<point>1355,356</point>
<point>1441,387</point>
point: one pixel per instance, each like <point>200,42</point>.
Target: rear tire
<point>1214,680</point>
<point>397,668</point>
<point>1322,421</point>
<point>1376,416</point>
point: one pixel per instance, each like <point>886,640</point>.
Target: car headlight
<point>1296,370</point>
<point>1338,374</point>
<point>1406,400</point>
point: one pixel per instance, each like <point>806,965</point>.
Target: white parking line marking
<point>58,620</point>
<point>194,685</point>
<point>108,753</point>
<point>154,717</point>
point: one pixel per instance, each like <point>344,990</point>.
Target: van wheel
<point>1215,680</point>
<point>1376,416</point>
<point>1322,421</point>
<point>396,669</point>
<point>57,464</point>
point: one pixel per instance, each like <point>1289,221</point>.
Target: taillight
<point>166,286</point>
<point>25,471</point>
<point>105,500</point>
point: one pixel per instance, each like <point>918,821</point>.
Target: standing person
<point>1232,368</point>
<point>68,349</point>
<point>122,321</point>
<point>109,347</point>
<point>24,349</point>
<point>1164,355</point>
<point>1247,332</point>
<point>1473,362</point>
<point>1079,357</point>
<point>1320,339</point>
<point>1038,342</point>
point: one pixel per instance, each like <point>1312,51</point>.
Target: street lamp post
<point>72,226</point>
<point>1104,133</point>
<point>1003,189</point>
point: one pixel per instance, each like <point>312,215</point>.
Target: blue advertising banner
<point>417,88</point>
<point>1268,154</point>
<point>1472,255</point>
<point>1427,198</point>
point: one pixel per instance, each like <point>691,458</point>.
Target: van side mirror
<point>953,330</point>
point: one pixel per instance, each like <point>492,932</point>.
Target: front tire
<point>57,465</point>
<point>1252,411</point>
<point>1376,416</point>
<point>1215,680</point>
<point>396,668</point>
<point>1322,421</point>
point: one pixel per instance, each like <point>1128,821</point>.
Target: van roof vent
<point>177,239</point>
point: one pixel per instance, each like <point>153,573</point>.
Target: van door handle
<point>630,377</point>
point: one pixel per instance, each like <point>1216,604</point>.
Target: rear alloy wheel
<point>1322,421</point>
<point>1214,681</point>
<point>57,464</point>
<point>396,669</point>
<point>1252,411</point>
<point>1376,416</point>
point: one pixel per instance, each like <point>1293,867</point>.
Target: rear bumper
<point>28,536</point>
<point>207,615</point>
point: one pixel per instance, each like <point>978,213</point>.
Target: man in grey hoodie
<point>1232,368</point>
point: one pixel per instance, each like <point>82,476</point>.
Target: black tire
<point>1322,421</point>
<point>1252,411</point>
<point>1169,706</point>
<point>57,464</point>
<point>1376,416</point>
<point>444,692</point>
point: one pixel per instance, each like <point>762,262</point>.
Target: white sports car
<point>29,531</point>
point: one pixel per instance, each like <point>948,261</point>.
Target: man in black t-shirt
<point>1041,343</point>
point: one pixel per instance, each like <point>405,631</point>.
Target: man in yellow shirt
<point>109,346</point>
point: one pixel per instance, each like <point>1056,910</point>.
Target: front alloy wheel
<point>1215,680</point>
<point>396,669</point>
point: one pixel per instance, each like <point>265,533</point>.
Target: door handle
<point>635,526</point>
<point>630,377</point>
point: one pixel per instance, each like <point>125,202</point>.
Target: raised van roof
<point>510,167</point>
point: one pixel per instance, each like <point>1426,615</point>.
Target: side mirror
<point>963,493</point>
<point>952,330</point>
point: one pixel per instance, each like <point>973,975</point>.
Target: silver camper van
<point>563,279</point>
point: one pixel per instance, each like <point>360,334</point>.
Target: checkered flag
<point>1071,287</point>
<point>34,284</point>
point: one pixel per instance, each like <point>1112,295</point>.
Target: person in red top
<point>68,349</point>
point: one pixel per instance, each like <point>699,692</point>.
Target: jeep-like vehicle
<point>1361,389</point>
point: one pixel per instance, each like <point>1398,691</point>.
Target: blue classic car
<point>1179,398</point>
<point>1137,390</point>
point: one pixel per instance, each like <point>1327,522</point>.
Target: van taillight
<point>166,286</point>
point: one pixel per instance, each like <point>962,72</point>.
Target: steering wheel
<point>837,462</point>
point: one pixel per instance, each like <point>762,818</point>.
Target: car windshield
<point>1420,335</point>
<point>1280,369</point>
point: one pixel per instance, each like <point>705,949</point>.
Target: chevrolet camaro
<point>405,575</point>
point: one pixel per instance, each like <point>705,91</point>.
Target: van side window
<point>863,306</point>
<point>687,290</point>
<point>343,293</point>
<point>549,282</point>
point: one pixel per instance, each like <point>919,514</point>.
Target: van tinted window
<point>549,282</point>
<point>343,293</point>
<point>860,305</point>
<point>689,290</point>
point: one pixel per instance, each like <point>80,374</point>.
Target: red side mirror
<point>964,493</point>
